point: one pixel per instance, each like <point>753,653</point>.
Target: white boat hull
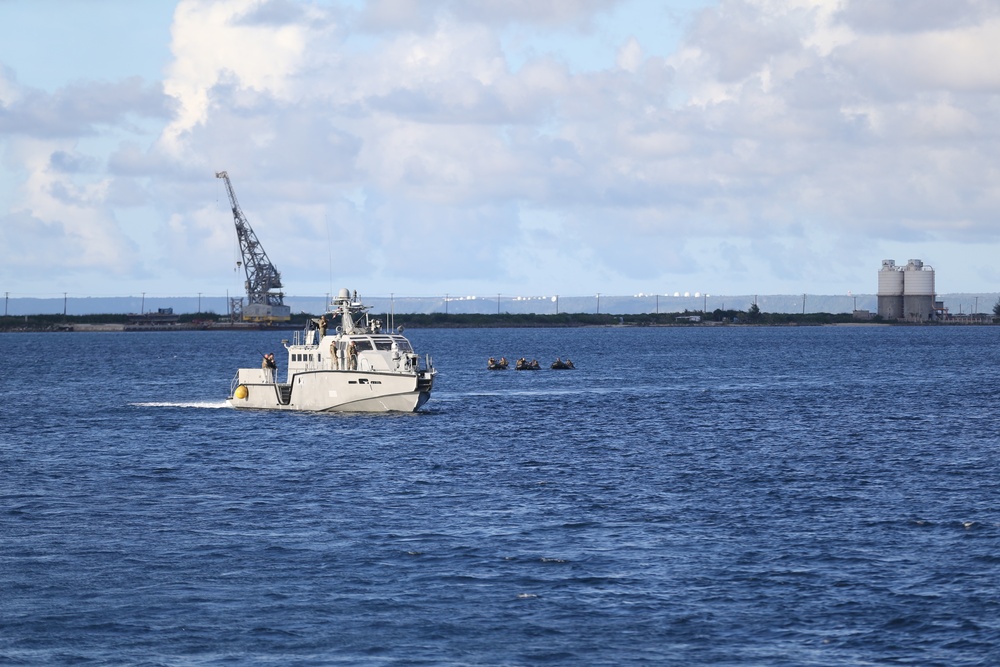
<point>359,367</point>
<point>337,391</point>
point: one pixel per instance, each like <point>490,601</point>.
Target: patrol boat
<point>357,368</point>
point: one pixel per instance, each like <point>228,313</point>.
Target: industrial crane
<point>265,301</point>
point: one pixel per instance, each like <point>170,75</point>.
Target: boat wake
<point>212,405</point>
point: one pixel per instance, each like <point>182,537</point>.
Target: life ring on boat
<point>241,392</point>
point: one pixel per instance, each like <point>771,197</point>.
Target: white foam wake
<point>212,405</point>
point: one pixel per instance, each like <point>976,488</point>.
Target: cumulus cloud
<point>402,136</point>
<point>258,47</point>
<point>81,109</point>
<point>873,129</point>
<point>64,230</point>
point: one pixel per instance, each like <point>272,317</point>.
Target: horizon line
<point>471,297</point>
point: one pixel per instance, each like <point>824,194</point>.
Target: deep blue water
<point>730,496</point>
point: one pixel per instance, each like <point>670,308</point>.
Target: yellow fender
<point>241,392</point>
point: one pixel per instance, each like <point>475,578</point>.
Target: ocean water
<point>687,496</point>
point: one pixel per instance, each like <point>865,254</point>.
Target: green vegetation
<point>587,320</point>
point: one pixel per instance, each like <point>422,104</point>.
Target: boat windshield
<point>402,344</point>
<point>382,343</point>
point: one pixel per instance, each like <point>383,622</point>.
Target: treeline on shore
<point>686,318</point>
<point>55,322</point>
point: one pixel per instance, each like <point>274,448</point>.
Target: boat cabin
<point>376,352</point>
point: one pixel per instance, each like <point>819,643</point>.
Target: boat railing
<point>306,337</point>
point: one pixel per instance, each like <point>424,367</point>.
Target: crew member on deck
<point>269,367</point>
<point>334,356</point>
<point>352,356</point>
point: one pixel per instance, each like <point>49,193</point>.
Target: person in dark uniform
<point>270,367</point>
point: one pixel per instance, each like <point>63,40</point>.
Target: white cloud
<point>58,226</point>
<point>404,135</point>
<point>630,55</point>
<point>960,59</point>
<point>215,41</point>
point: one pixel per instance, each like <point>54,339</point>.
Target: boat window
<point>362,344</point>
<point>385,343</point>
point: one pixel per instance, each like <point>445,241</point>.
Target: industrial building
<point>906,293</point>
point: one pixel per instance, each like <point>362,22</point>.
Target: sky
<point>536,147</point>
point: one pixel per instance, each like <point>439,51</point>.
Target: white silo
<point>890,290</point>
<point>918,291</point>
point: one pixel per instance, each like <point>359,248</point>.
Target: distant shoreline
<point>59,324</point>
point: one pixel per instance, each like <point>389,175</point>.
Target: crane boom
<point>263,281</point>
